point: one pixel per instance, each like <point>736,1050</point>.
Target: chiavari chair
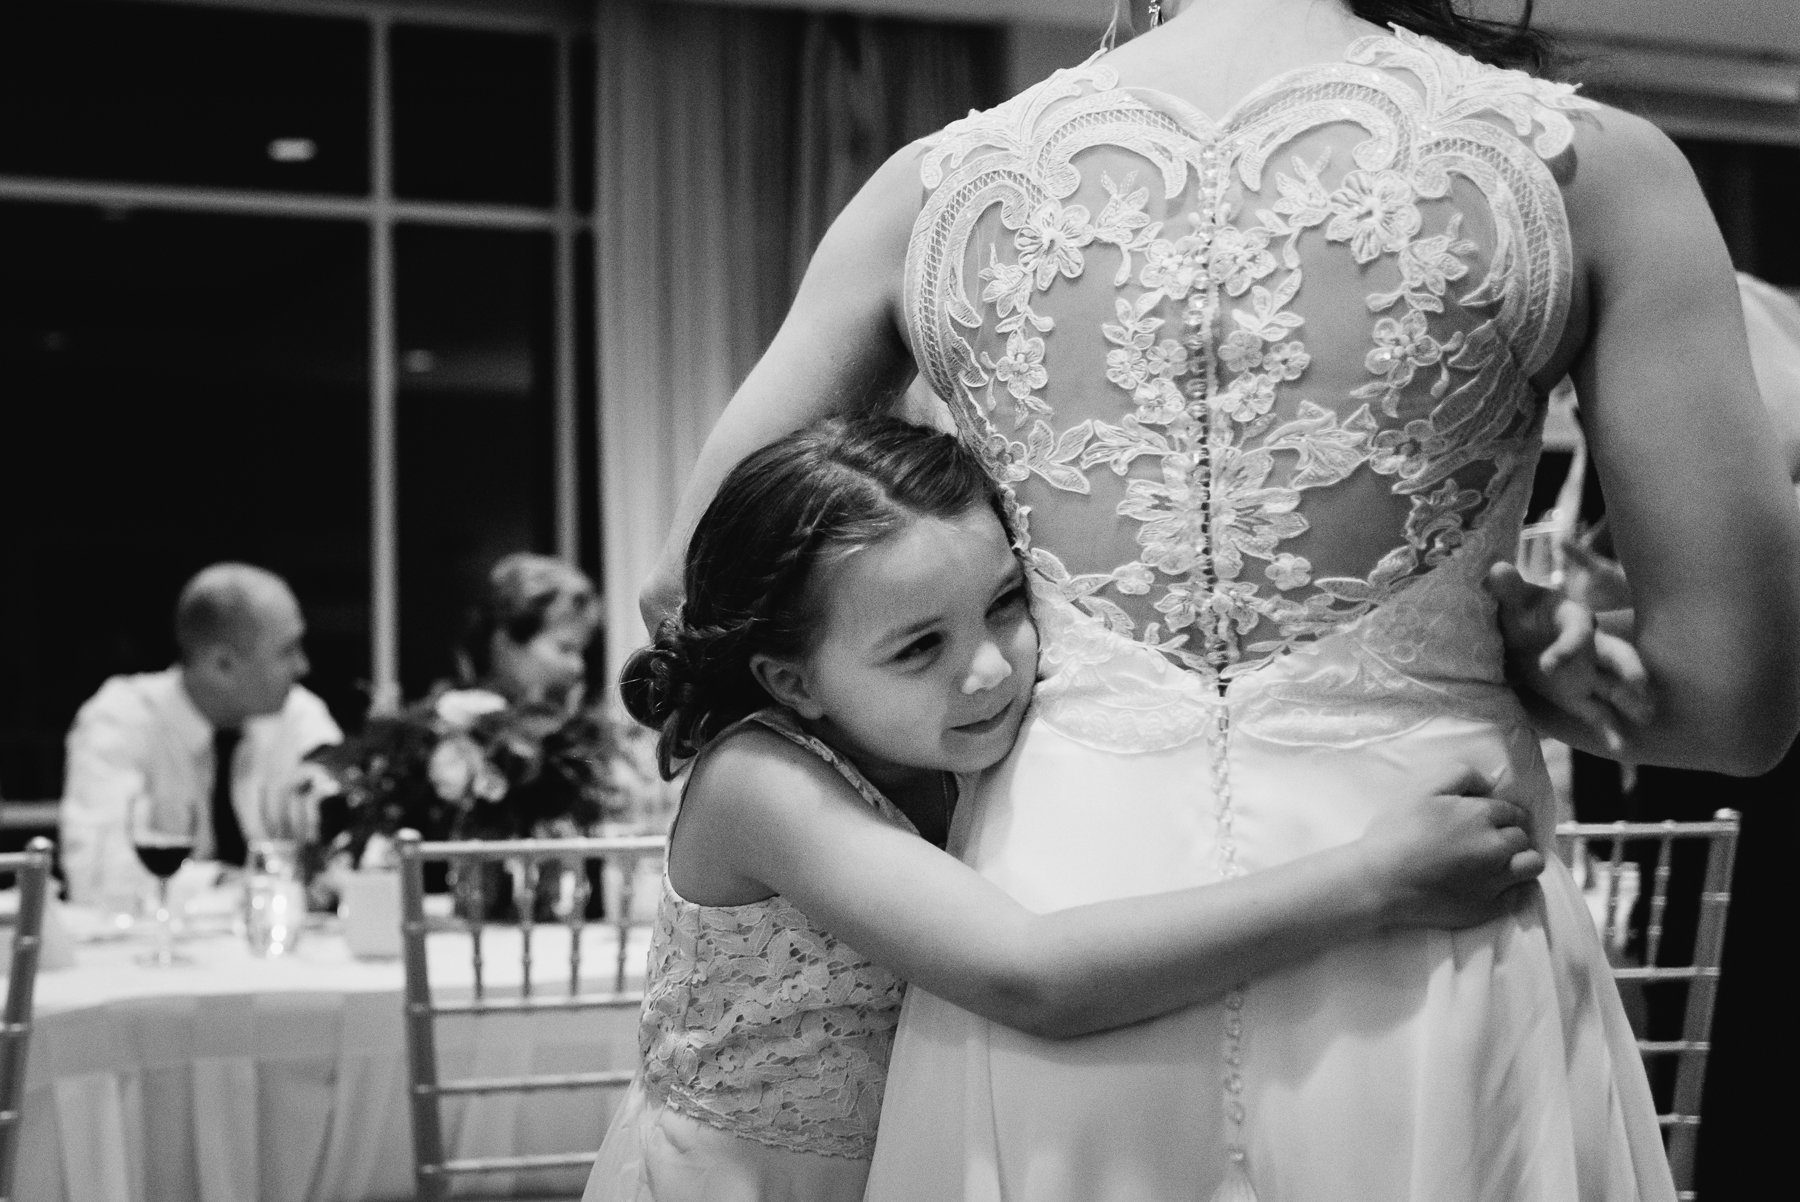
<point>1681,1122</point>
<point>471,869</point>
<point>33,869</point>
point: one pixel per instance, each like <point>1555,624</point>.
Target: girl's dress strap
<point>786,725</point>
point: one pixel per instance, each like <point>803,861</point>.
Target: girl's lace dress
<point>764,1044</point>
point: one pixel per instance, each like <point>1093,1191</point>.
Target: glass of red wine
<point>163,841</point>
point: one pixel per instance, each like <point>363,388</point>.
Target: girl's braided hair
<point>810,498</point>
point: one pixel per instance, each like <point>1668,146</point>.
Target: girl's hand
<point>1554,650</point>
<point>1450,861</point>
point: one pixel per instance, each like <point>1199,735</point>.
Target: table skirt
<point>290,1095</point>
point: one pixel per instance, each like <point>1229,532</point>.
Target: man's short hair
<point>219,606</point>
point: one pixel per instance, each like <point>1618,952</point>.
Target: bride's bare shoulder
<point>1618,163</point>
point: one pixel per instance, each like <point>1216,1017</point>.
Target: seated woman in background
<point>527,635</point>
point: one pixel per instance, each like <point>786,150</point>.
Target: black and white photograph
<point>899,600</point>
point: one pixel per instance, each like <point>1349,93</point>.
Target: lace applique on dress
<point>1324,309</point>
<point>758,1021</point>
<point>1258,391</point>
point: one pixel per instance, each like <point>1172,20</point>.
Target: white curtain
<point>692,264</point>
<point>728,140</point>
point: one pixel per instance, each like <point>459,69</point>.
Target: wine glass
<point>161,848</point>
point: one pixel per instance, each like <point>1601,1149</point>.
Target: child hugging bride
<point>856,643</point>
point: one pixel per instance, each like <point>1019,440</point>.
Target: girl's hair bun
<point>661,686</point>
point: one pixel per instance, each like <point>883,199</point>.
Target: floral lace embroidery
<point>1222,432</point>
<point>758,1021</point>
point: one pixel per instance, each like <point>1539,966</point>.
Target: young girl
<point>857,638</point>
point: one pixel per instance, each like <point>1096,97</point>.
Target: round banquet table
<point>239,1079</point>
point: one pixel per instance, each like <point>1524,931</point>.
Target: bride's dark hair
<point>1502,43</point>
<point>803,501</point>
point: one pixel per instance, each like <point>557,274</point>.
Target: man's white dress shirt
<point>141,736</point>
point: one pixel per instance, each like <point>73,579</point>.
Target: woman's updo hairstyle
<point>1500,43</point>
<point>793,506</point>
<point>523,593</point>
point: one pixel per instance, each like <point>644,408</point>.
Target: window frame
<point>381,211</point>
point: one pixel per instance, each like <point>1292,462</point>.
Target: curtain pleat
<point>729,139</point>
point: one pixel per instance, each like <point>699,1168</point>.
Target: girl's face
<point>926,653</point>
<point>546,667</point>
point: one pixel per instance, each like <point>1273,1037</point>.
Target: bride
<point>1254,317</point>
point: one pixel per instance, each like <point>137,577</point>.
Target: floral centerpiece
<point>465,764</point>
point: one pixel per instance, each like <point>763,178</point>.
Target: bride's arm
<point>839,349</point>
<point>1703,517</point>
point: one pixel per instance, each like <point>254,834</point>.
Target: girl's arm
<point>838,350</point>
<point>768,817</point>
<point>1703,518</point>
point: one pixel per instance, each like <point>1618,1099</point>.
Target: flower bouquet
<point>465,764</point>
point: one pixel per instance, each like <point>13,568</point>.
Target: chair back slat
<point>1709,947</point>
<point>524,874</point>
<point>475,917</point>
<point>1659,898</point>
<point>32,867</point>
<point>622,920</point>
<point>1681,1124</point>
<point>523,863</point>
<point>421,1032</point>
<point>577,903</point>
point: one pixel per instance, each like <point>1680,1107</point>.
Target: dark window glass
<point>587,415</point>
<point>1752,189</point>
<point>476,426</point>
<point>179,389</point>
<point>155,93</point>
<point>474,115</point>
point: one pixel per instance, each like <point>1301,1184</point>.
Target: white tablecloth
<point>246,1080</point>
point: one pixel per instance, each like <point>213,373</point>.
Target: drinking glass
<point>161,849</point>
<point>274,897</point>
<point>1540,554</point>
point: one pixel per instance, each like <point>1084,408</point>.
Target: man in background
<point>211,746</point>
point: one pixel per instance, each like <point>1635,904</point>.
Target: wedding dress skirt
<point>1429,1066</point>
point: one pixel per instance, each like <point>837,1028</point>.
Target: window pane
<point>476,450</point>
<point>180,389</point>
<point>474,115</point>
<point>155,93</point>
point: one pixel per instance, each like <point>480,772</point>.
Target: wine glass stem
<point>165,923</point>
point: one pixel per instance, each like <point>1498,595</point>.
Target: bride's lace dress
<point>1260,390</point>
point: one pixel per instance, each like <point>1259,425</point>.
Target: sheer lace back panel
<point>758,1021</point>
<point>1250,380</point>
